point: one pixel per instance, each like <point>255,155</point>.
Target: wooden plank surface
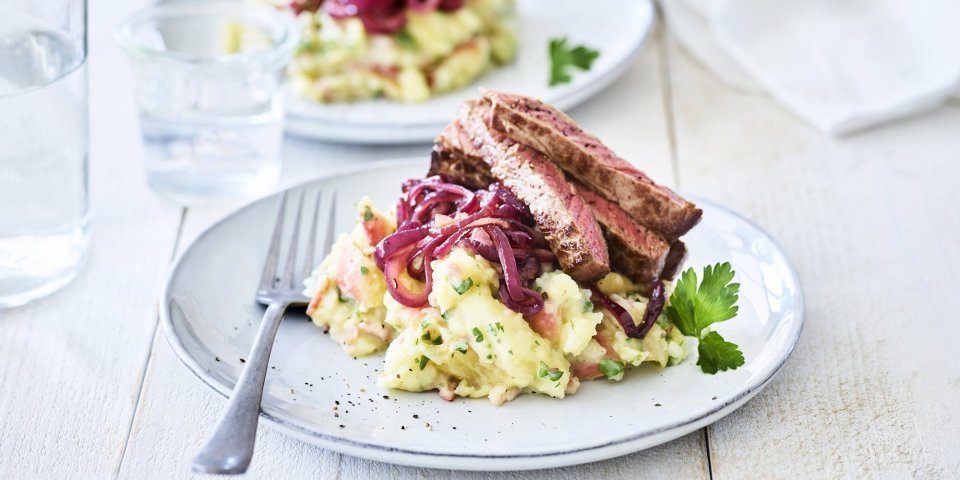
<point>177,411</point>
<point>871,222</point>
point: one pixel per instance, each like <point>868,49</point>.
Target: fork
<point>230,448</point>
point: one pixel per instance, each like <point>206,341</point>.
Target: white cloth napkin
<point>841,65</point>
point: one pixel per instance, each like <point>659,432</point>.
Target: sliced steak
<point>635,251</point>
<point>675,259</point>
<point>449,160</point>
<point>563,217</point>
<point>585,158</point>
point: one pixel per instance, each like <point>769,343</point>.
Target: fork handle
<point>229,449</point>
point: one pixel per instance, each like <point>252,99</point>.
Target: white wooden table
<point>90,389</point>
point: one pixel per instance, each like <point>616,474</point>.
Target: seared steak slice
<point>586,159</point>
<point>563,217</point>
<point>635,251</point>
<point>449,160</point>
<point>675,258</point>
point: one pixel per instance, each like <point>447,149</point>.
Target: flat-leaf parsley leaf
<point>717,354</point>
<point>693,308</point>
<point>564,57</point>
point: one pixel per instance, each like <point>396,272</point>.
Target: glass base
<point>60,259</point>
<point>194,190</point>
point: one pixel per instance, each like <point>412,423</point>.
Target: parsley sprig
<point>564,57</point>
<point>693,308</point>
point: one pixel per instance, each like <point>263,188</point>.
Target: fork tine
<point>331,218</point>
<point>270,264</point>
<point>312,239</point>
<point>289,272</point>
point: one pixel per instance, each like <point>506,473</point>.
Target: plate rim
<point>422,458</point>
<point>305,126</point>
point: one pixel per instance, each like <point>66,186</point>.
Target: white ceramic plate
<point>210,319</point>
<point>616,28</point>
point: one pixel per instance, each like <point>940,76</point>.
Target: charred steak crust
<point>572,232</point>
<point>635,251</point>
<point>588,160</point>
<point>675,258</point>
<point>455,157</point>
<point>451,162</point>
<point>565,220</point>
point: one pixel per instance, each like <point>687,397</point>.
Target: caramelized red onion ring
<point>423,5</point>
<point>378,16</point>
<point>491,223</point>
<point>650,314</point>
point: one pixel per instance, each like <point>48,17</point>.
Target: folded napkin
<point>841,65</point>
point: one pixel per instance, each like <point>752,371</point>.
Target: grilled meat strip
<point>585,158</point>
<point>563,217</point>
<point>449,160</point>
<point>635,251</point>
<point>675,259</point>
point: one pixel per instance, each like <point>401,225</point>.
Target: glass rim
<point>281,47</point>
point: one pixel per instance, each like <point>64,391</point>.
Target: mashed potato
<point>469,344</point>
<point>436,52</point>
<point>347,289</point>
<point>465,342</point>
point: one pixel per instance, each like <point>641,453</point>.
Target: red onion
<point>378,16</point>
<point>423,5</point>
<point>482,244</point>
<point>381,16</point>
<point>654,307</point>
<point>450,5</point>
<point>392,270</point>
<point>397,240</point>
<point>509,263</point>
<point>385,23</point>
<point>433,216</point>
<point>533,304</point>
<point>349,8</point>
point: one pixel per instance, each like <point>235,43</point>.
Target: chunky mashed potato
<point>436,52</point>
<point>347,289</point>
<point>465,342</point>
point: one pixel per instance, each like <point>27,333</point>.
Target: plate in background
<point>210,320</point>
<point>616,28</point>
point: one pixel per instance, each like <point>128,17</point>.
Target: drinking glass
<point>44,204</point>
<point>206,81</point>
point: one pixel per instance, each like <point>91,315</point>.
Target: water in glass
<point>43,158</point>
<point>208,137</point>
<point>212,122</point>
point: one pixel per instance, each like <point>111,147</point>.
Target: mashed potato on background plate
<point>435,52</point>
